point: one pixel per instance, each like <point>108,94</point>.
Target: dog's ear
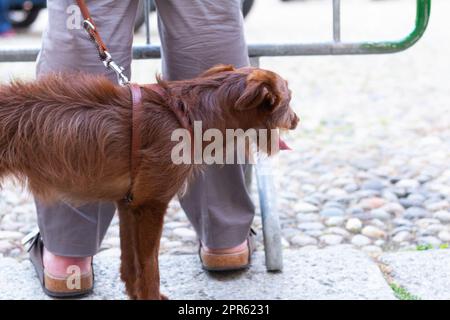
<point>218,68</point>
<point>262,90</point>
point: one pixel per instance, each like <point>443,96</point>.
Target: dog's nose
<point>294,122</point>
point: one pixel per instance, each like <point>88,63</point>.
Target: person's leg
<point>5,25</point>
<point>70,232</point>
<point>196,35</point>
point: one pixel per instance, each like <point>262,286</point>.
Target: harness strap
<point>136,125</point>
<point>136,121</point>
<point>136,96</point>
<point>180,114</point>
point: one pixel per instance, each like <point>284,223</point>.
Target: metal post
<point>269,210</point>
<point>337,20</point>
<point>269,214</point>
<point>147,7</point>
<point>254,61</point>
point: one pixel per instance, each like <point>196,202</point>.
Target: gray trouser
<point>195,35</point>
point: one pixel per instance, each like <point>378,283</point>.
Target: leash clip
<point>105,56</point>
<point>111,64</point>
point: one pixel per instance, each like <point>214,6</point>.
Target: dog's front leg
<point>148,225</point>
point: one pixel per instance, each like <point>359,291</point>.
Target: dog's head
<point>257,98</point>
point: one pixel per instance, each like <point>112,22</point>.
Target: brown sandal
<point>228,261</point>
<point>56,287</point>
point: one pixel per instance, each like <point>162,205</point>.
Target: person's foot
<point>236,249</point>
<point>59,266</point>
<point>229,259</point>
<point>60,277</point>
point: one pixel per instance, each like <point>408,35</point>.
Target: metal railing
<point>335,47</point>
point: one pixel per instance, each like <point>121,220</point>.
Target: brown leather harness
<point>136,96</point>
<point>136,113</point>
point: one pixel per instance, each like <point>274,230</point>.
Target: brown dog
<point>68,137</point>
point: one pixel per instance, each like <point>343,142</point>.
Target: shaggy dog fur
<point>69,136</point>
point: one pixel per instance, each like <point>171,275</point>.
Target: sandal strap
<point>30,239</point>
<point>35,248</point>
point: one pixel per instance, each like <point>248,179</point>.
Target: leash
<point>105,56</point>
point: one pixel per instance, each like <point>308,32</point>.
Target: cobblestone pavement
<point>370,160</point>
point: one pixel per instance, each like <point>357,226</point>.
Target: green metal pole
<point>422,19</point>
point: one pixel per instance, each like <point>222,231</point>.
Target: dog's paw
<point>163,296</point>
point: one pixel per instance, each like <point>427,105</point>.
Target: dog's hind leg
<point>128,249</point>
<point>148,225</point>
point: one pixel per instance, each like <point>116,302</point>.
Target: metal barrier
<point>270,219</point>
<point>335,47</point>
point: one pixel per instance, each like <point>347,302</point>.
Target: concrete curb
<point>425,274</point>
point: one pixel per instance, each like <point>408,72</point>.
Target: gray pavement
<point>337,273</point>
